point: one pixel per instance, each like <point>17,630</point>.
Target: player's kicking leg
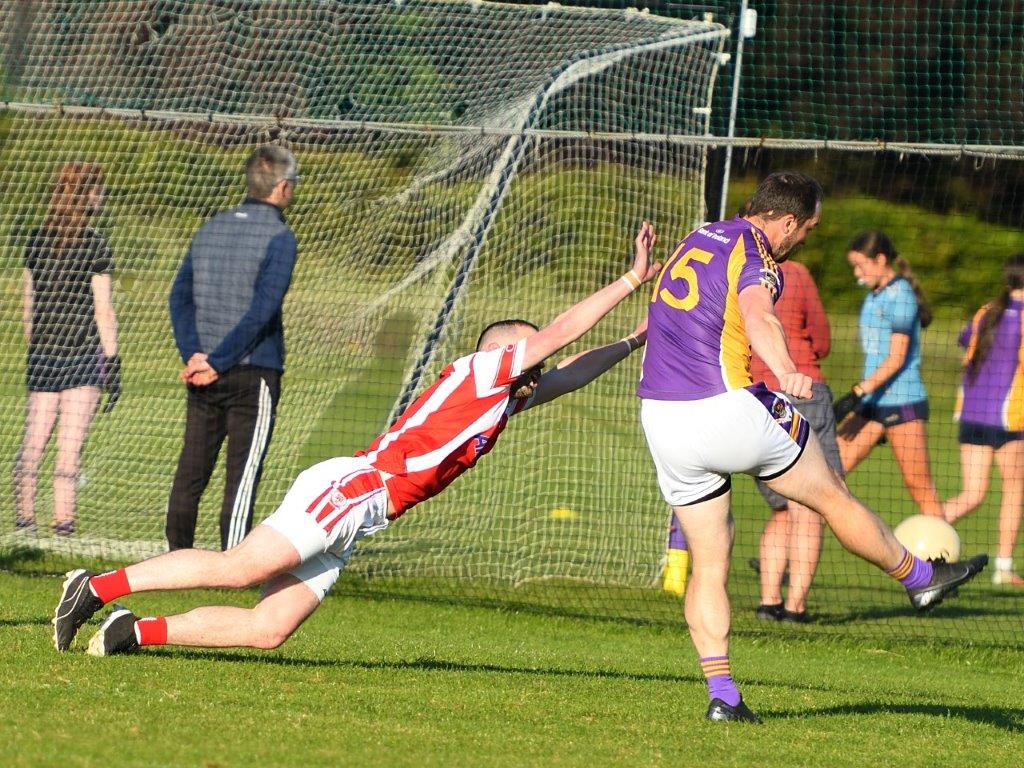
<point>708,527</point>
<point>811,483</point>
<point>263,554</point>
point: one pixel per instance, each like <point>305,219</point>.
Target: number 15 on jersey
<point>678,268</point>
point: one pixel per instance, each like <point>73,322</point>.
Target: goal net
<point>460,161</point>
<point>463,162</point>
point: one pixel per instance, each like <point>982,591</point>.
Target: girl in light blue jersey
<point>890,399</point>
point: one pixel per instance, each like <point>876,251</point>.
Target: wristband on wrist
<point>632,280</point>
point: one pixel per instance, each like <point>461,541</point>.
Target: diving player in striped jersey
<point>299,551</point>
<point>704,419</point>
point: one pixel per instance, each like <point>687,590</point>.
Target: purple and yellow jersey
<point>994,397</point>
<point>697,346</point>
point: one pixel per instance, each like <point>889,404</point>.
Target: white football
<point>929,537</point>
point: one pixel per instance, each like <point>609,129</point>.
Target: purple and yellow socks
<point>720,684</point>
<point>912,572</point>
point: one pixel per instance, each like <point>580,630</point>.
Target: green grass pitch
<point>408,683</point>
<point>474,664</point>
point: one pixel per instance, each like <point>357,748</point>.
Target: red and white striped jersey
<point>450,426</point>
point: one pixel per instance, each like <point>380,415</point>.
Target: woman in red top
<point>792,536</point>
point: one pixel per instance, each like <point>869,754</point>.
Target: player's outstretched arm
<point>768,340</point>
<point>578,370</point>
<point>580,318</point>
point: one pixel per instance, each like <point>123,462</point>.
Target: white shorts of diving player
<point>329,507</point>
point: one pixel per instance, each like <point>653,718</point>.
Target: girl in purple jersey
<point>990,410</point>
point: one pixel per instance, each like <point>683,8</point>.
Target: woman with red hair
<point>71,331</point>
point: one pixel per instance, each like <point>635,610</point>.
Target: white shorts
<point>698,444</point>
<point>327,510</point>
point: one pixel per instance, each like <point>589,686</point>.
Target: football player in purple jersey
<point>705,419</point>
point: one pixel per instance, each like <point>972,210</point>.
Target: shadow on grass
<point>31,621</point>
<point>19,555</point>
<point>1010,719</point>
<point>446,666</point>
<point>945,611</point>
<point>907,624</point>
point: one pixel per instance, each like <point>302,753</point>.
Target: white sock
<point>1004,564</point>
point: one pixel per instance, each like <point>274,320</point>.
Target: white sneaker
<point>115,635</point>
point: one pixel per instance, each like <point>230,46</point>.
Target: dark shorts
<point>817,410</point>
<point>51,373</point>
<point>892,415</point>
<point>982,434</point>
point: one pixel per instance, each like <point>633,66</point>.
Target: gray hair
<point>267,167</point>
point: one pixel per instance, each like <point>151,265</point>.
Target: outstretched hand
<point>645,240</point>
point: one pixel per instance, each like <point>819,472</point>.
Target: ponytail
<point>924,309</point>
<point>1013,277</point>
<point>987,332</point>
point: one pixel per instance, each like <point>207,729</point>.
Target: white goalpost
<point>461,162</point>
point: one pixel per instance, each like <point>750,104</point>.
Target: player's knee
<point>67,462</point>
<point>977,488</point>
<point>269,640</point>
<point>974,497</point>
<point>239,580</point>
<point>63,473</point>
<point>832,496</point>
<point>272,631</point>
<point>240,572</point>
<point>26,466</point>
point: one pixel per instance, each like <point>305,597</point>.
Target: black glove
<point>846,405</point>
<point>110,373</point>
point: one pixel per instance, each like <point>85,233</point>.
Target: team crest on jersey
<point>479,445</point>
<point>336,497</point>
<point>781,411</point>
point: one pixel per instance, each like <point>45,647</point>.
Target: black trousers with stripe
<point>241,406</point>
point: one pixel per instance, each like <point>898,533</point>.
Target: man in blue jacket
<point>226,312</point>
